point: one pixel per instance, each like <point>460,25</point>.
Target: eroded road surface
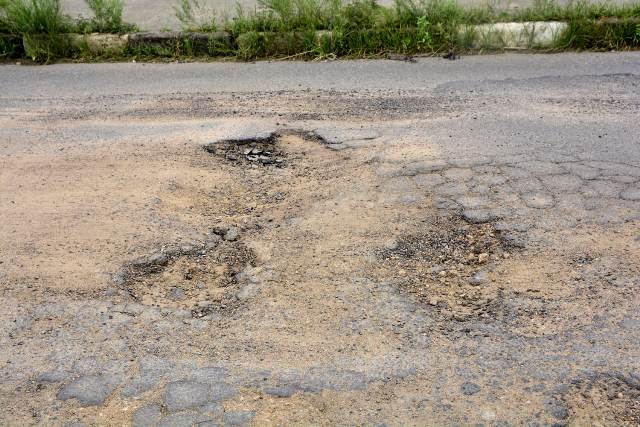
<point>349,243</point>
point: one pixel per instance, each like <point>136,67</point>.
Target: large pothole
<point>449,266</point>
<point>263,151</point>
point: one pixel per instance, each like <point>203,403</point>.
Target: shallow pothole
<point>202,280</point>
<point>449,266</point>
<point>604,399</point>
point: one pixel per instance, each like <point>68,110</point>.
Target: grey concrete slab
<point>160,14</point>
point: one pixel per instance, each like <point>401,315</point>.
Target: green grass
<point>107,18</point>
<point>549,10</point>
<point>317,28</point>
<point>40,23</point>
<point>194,16</point>
<point>363,28</point>
<point>43,26</point>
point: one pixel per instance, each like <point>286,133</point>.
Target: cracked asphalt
<point>341,243</point>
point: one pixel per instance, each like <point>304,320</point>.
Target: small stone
<point>488,415</point>
<point>513,240</point>
<point>435,269</point>
<point>434,301</point>
<point>176,294</point>
<point>120,278</point>
<point>247,292</point>
<point>212,241</point>
<point>231,234</point>
<point>469,388</point>
<point>158,259</point>
<point>187,249</point>
<point>479,278</point>
<point>478,216</point>
<point>483,257</point>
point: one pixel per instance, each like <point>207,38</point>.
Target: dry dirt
<point>179,270</point>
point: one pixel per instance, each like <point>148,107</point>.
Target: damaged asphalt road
<point>348,243</point>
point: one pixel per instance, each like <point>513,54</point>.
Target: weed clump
<point>44,28</point>
<point>107,18</point>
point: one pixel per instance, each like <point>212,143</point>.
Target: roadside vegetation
<point>313,29</point>
<point>43,27</point>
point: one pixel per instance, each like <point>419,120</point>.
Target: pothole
<point>605,399</point>
<point>204,279</point>
<point>449,266</point>
<point>263,151</point>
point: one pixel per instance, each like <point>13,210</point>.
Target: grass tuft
<point>195,16</point>
<point>107,18</point>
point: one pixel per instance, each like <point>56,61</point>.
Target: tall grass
<point>195,16</point>
<point>40,23</point>
<point>43,26</point>
<point>107,18</point>
<point>550,10</point>
<point>362,27</point>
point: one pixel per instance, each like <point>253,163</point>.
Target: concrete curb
<point>516,35</point>
<point>104,43</point>
<point>506,35</point>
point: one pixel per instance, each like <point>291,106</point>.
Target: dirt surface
<point>424,257</point>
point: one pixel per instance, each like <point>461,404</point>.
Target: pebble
<point>469,388</point>
<point>176,294</point>
<point>231,234</point>
<point>436,269</point>
<point>478,216</point>
<point>513,240</point>
<point>483,257</point>
<point>479,278</point>
<point>158,259</point>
